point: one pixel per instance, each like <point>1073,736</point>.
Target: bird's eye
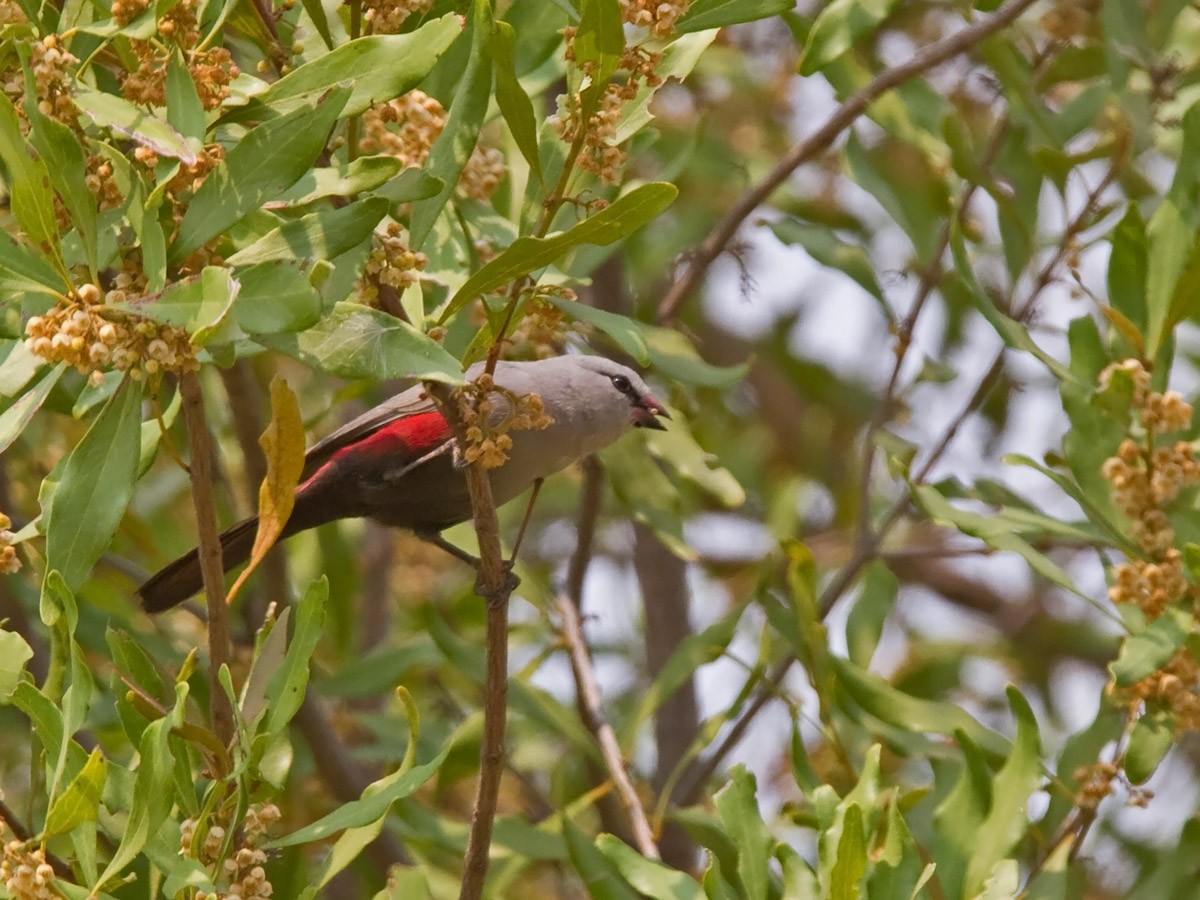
<point>621,383</point>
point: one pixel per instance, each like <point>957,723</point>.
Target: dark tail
<point>179,580</point>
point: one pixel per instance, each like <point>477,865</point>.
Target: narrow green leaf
<point>677,449</point>
<point>600,38</point>
<point>285,691</point>
<point>199,304</point>
<point>737,803</point>
<point>22,269</point>
<point>872,606</point>
<point>851,862</point>
<point>597,872</point>
<point>267,161</point>
<point>378,68</point>
<point>702,15</point>
<point>14,419</point>
<point>514,103</point>
<point>1151,648</point>
<point>185,112</point>
<point>122,117</point>
<point>356,341</point>
<point>323,234</point>
<point>625,332</point>
<point>840,25</point>
<point>346,180</point>
<point>31,198</point>
<point>648,876</point>
<point>1152,736</point>
<point>454,145</point>
<point>81,800</point>
<point>959,817</point>
<point>528,254</point>
<point>66,163</point>
<point>14,653</point>
<point>96,486</point>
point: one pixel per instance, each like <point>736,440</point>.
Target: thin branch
<point>495,585</point>
<point>597,723</point>
<point>211,568</point>
<point>843,117</point>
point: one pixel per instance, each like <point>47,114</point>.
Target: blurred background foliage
<point>902,605</point>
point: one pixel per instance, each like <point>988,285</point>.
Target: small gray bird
<point>399,463</point>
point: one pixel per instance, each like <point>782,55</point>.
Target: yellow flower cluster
<point>390,263</point>
<point>11,13</point>
<point>9,561</point>
<point>243,870</point>
<point>418,120</point>
<point>212,69</point>
<point>51,64</point>
<point>386,16</point>
<point>658,17</point>
<point>600,153</point>
<point>1145,479</point>
<point>488,441</point>
<point>92,338</point>
<point>25,872</point>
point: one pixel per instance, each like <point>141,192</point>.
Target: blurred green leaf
<point>514,103</point>
<point>267,161</point>
<point>1150,649</point>
<point>599,874</point>
<point>378,68</point>
<point>14,653</point>
<point>704,14</point>
<point>14,419</point>
<point>1127,267</point>
<point>839,26</point>
<point>95,487</point>
<point>737,803</point>
<point>673,355</point>
<point>872,606</point>
<point>22,269</point>
<point>285,690</point>
<point>647,876</point>
<point>31,199</point>
<point>356,341</point>
<point>625,332</point>
<point>1151,737</point>
<point>677,449</point>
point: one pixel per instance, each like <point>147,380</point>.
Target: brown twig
<point>495,585</point>
<point>592,707</point>
<point>843,117</point>
<point>211,568</point>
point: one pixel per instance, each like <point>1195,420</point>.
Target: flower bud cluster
<point>657,16</point>
<point>26,874</point>
<point>543,330</point>
<point>488,424</point>
<point>391,263</point>
<point>52,63</point>
<point>212,69</point>
<point>11,13</point>
<point>386,16</point>
<point>242,870</point>
<point>125,11</point>
<point>9,561</point>
<point>92,338</point>
<point>600,153</point>
<point>418,119</point>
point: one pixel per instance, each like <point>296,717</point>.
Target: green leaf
<point>66,163</point>
<point>356,341</point>
<point>199,304</point>
<point>528,254</point>
<point>597,872</point>
<point>267,161</point>
<point>453,147</point>
<point>677,449</point>
<point>959,817</point>
<point>599,39</point>
<point>826,248</point>
<point>345,180</point>
<point>514,103</point>
<point>285,691</point>
<point>1008,819</point>
<point>872,606</point>
<point>26,270</point>
<point>276,297</point>
<point>648,876</point>
<point>897,871</point>
<point>1151,648</point>
<point>851,861</point>
<point>704,14</point>
<point>376,800</point>
<point>81,800</point>
<point>648,495</point>
<point>185,112</point>
<point>737,803</point>
<point>674,356</point>
<point>30,197</point>
<point>378,68</point>
<point>14,419</point>
<point>1151,737</point>
<point>625,332</point>
<point>14,653</point>
<point>122,117</point>
<point>95,487</point>
<point>323,234</point>
<point>841,25</point>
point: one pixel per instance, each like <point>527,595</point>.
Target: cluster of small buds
<point>1150,586</point>
<point>242,871</point>
<point>51,64</point>
<point>390,263</point>
<point>11,13</point>
<point>600,153</point>
<point>125,11</point>
<point>488,426</point>
<point>9,561</point>
<point>101,182</point>
<point>543,329</point>
<point>386,16</point>
<point>212,69</point>
<point>657,17</point>
<point>418,118</point>
<point>1095,783</point>
<point>1174,687</point>
<point>483,173</point>
<point>81,334</point>
<point>26,874</point>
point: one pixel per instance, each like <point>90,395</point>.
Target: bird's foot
<point>509,583</point>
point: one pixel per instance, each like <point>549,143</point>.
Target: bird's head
<point>617,384</point>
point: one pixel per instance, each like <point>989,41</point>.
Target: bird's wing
<point>409,403</point>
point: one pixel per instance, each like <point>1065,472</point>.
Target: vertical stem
<point>211,568</point>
